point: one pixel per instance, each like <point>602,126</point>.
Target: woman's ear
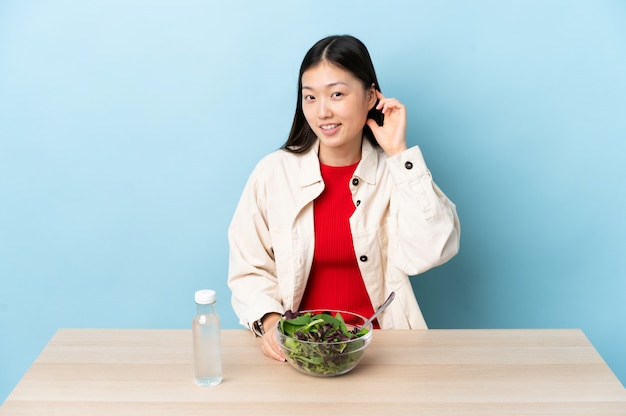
<point>371,96</point>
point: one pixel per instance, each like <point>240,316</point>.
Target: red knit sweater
<point>335,281</point>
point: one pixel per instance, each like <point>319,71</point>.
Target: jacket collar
<point>366,169</point>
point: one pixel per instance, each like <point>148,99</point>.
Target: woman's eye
<point>308,98</point>
<point>337,94</point>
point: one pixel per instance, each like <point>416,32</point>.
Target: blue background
<point>128,129</point>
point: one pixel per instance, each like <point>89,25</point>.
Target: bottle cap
<point>205,296</point>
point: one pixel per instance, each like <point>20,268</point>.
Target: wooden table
<point>431,372</point>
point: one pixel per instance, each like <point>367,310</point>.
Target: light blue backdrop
<point>128,129</point>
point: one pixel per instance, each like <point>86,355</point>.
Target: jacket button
<point>363,258</point>
<point>355,181</point>
<point>358,202</point>
<point>408,165</point>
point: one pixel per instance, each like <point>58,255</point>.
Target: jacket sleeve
<point>252,269</point>
<point>426,221</point>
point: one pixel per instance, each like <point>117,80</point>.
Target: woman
<point>343,213</point>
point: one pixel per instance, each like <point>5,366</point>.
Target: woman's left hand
<point>392,134</point>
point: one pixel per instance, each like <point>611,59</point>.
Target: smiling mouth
<point>329,126</point>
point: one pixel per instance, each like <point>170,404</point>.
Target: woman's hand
<point>269,343</point>
<point>392,134</point>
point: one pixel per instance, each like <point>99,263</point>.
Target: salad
<point>320,343</point>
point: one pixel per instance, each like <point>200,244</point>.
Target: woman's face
<point>335,105</point>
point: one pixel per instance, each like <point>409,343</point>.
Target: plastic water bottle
<point>207,356</point>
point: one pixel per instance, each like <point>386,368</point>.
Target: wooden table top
<point>428,372</point>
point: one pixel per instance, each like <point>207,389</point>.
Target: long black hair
<point>346,52</point>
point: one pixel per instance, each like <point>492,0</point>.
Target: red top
<point>335,281</point>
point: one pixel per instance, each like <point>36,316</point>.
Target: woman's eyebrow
<point>330,85</point>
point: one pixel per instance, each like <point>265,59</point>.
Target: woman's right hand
<point>269,343</point>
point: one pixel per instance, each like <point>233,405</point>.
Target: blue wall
<point>128,129</point>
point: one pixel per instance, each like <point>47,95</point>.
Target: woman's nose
<point>324,109</point>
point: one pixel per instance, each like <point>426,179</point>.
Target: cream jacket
<point>403,225</point>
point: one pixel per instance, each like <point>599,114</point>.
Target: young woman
<point>344,212</point>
